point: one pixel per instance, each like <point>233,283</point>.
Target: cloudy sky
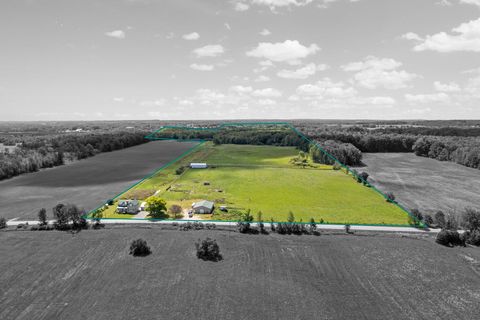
<point>224,59</point>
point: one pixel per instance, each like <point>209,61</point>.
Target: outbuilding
<point>203,206</point>
<point>198,165</point>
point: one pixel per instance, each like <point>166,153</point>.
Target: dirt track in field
<point>54,275</point>
<point>86,183</point>
<point>424,183</point>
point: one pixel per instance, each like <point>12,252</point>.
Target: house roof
<point>203,203</point>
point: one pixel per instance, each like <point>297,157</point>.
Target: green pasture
<point>261,178</point>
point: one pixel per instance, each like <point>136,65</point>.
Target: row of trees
<point>51,150</point>
<point>346,153</point>
<point>464,151</point>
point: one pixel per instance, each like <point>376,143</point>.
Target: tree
<point>260,222</point>
<point>208,249</point>
<point>61,216</point>
<point>428,220</point>
<point>156,207</point>
<point>42,217</point>
<point>175,209</point>
<point>312,226</point>
<point>139,248</point>
<point>3,223</point>
<point>471,219</point>
<point>440,219</point>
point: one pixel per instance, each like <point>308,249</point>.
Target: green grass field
<point>261,178</point>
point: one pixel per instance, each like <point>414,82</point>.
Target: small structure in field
<point>128,206</point>
<point>198,165</point>
<point>203,206</point>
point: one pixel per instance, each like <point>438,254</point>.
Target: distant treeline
<point>49,151</point>
<point>459,145</point>
<point>464,151</point>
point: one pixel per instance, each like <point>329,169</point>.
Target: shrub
<point>210,226</point>
<point>428,220</point>
<point>347,228</point>
<point>243,227</point>
<point>179,170</point>
<point>337,166</point>
<point>208,249</point>
<point>3,223</point>
<point>272,224</point>
<point>417,216</point>
<point>390,196</point>
<point>291,217</point>
<point>312,226</point>
<point>363,177</point>
<point>139,248</point>
<point>472,237</point>
<point>110,202</point>
<point>451,223</point>
<point>449,238</point>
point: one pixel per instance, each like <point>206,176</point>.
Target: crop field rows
<point>261,178</point>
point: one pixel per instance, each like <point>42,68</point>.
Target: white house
<point>198,165</point>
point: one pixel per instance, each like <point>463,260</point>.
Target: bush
<point>210,226</point>
<point>243,227</point>
<point>449,238</point>
<point>208,249</point>
<point>428,220</point>
<point>337,166</point>
<point>175,210</point>
<point>3,223</point>
<point>390,196</point>
<point>139,248</point>
<point>179,170</point>
<point>417,216</point>
<point>347,229</point>
<point>472,237</point>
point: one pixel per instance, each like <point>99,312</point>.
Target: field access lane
<point>86,183</point>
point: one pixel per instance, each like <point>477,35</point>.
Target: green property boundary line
<point>151,137</point>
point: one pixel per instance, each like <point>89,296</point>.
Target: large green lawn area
<point>261,178</point>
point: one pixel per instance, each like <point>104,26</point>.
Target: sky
<point>239,59</point>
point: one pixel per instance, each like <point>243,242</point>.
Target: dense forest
<point>36,151</point>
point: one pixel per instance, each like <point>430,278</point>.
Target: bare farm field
<point>90,275</point>
<point>86,183</point>
<point>424,183</point>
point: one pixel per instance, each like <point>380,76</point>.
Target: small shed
<point>203,206</point>
<point>128,206</point>
<point>198,165</point>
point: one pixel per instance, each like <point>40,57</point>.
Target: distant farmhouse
<point>203,206</point>
<point>198,165</point>
<point>128,206</point>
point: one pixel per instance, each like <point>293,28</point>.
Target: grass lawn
<point>261,178</point>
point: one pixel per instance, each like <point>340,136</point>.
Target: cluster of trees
<point>45,151</point>
<point>464,151</point>
<point>346,153</point>
<point>456,144</point>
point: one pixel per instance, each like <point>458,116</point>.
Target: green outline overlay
<point>152,137</point>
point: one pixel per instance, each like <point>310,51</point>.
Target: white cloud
<point>444,3</point>
<point>267,93</point>
<point>227,25</point>
<point>301,73</point>
<point>290,51</point>
<point>411,36</point>
<point>326,88</point>
<point>119,99</point>
<point>374,72</point>
<point>474,2</point>
<point>212,50</point>
<point>117,34</point>
<point>446,87</point>
<point>427,98</point>
<point>262,78</point>
<point>265,32</point>
<point>465,37</point>
<point>241,89</point>
<point>191,36</point>
<point>266,102</point>
<point>240,6</point>
<point>153,103</point>
<point>202,67</point>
